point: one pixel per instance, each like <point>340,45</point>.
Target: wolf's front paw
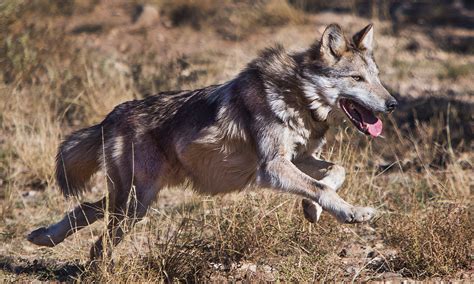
<point>358,215</point>
<point>41,237</point>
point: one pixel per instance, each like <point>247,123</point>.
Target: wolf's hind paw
<point>312,210</point>
<point>41,237</point>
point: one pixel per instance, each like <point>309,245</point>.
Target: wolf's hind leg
<point>134,190</point>
<point>83,215</point>
<point>327,173</point>
<point>134,181</point>
<point>123,218</point>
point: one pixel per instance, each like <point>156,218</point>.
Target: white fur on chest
<point>301,133</point>
<point>301,141</point>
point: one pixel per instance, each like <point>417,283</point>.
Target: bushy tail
<point>78,159</point>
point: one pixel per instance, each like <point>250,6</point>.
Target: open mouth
<point>363,118</point>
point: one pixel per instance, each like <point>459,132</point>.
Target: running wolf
<point>261,129</point>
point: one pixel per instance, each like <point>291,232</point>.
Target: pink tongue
<point>369,120</point>
<point>375,129</point>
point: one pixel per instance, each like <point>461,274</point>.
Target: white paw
<point>357,215</point>
<point>312,210</point>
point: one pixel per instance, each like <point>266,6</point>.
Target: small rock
<point>218,266</point>
<point>351,269</point>
<point>29,194</point>
<point>388,275</point>
<point>146,16</point>
<point>267,269</point>
<point>343,253</point>
<point>249,267</point>
<point>123,47</point>
<point>185,73</point>
<point>168,24</point>
<point>379,245</point>
<point>372,254</point>
<point>465,276</point>
<point>465,165</point>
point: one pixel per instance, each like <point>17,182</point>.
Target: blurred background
<point>64,64</point>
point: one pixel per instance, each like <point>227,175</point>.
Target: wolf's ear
<point>364,38</point>
<point>333,43</point>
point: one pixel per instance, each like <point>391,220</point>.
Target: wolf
<point>262,129</point>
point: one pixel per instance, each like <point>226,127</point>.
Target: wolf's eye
<point>358,78</point>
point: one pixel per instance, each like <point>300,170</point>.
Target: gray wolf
<point>262,129</point>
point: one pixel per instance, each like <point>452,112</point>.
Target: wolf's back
<point>78,159</point>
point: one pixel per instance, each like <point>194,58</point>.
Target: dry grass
<point>432,242</point>
<point>419,176</point>
<point>232,20</point>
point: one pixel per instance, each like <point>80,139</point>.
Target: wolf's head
<point>342,75</point>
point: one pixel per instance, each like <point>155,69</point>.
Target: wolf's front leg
<point>343,211</point>
<point>282,174</point>
<point>325,172</point>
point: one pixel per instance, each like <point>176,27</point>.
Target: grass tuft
<point>433,243</point>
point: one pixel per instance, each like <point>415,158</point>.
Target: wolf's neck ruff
<point>287,87</point>
<point>316,103</point>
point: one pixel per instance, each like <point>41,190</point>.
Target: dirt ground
<point>65,64</point>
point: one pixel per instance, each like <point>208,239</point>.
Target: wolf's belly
<point>220,166</point>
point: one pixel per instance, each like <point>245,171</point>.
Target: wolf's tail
<point>78,159</point>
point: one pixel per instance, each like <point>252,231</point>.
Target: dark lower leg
<point>109,239</point>
<point>119,224</point>
<point>82,216</point>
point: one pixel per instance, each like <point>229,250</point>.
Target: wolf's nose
<point>391,105</point>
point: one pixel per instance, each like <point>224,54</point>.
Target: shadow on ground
<point>455,113</point>
<point>43,270</point>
